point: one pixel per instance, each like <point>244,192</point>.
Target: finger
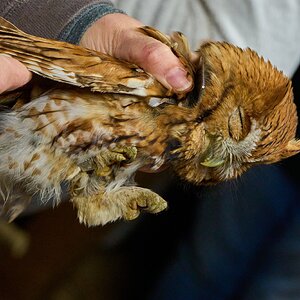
<point>13,74</point>
<point>158,59</point>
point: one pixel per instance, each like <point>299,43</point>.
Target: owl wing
<point>75,65</point>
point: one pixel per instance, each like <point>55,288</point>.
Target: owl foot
<point>101,164</point>
<point>128,152</point>
<point>125,203</point>
<point>108,158</point>
<point>140,199</point>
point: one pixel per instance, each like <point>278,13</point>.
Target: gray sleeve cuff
<point>66,20</point>
<point>74,30</point>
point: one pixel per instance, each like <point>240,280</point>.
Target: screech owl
<point>103,119</point>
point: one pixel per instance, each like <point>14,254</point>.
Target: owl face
<point>245,116</point>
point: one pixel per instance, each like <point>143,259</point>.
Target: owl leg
<point>97,205</point>
<point>85,182</point>
<point>124,203</point>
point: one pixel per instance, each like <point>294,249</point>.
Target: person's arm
<point>56,19</point>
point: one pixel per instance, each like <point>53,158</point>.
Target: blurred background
<point>55,257</point>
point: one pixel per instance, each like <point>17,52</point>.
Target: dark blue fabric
<point>237,225</point>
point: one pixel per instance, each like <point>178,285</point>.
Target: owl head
<point>245,115</point>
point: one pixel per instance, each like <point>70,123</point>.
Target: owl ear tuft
<point>283,91</point>
<point>292,148</point>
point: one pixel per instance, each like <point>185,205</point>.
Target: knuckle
<point>154,53</point>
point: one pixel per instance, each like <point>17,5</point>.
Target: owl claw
<point>101,164</point>
<point>142,200</point>
<point>128,152</point>
<point>125,203</point>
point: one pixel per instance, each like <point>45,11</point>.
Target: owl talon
<point>104,160</point>
<point>143,200</point>
<point>126,203</point>
<point>128,152</point>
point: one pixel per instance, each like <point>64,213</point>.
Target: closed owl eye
<point>238,124</point>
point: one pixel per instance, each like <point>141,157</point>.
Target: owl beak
<point>212,162</point>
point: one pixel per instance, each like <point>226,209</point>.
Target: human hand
<point>117,35</point>
<point>13,74</point>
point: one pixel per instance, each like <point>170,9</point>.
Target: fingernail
<point>177,79</point>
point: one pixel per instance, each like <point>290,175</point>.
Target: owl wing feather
<point>75,65</point>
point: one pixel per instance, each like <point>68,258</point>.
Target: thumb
<point>158,59</point>
<point>117,35</point>
<point>13,74</point>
